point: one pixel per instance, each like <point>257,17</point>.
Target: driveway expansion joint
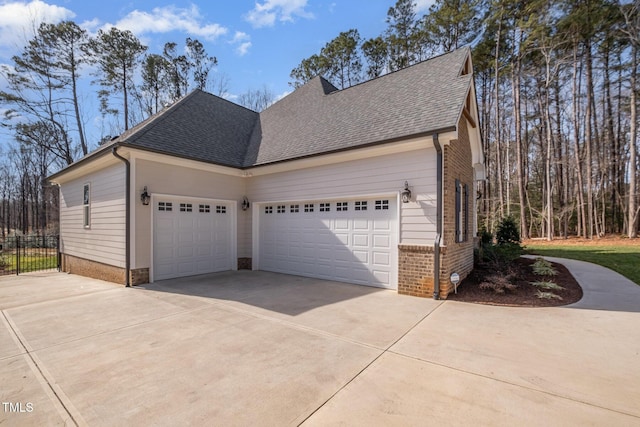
<point>533,389</point>
<point>39,372</point>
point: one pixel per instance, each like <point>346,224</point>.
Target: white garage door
<point>352,241</point>
<point>191,237</point>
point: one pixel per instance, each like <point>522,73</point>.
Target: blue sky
<point>257,43</point>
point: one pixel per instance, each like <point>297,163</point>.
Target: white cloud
<point>266,14</point>
<point>242,41</point>
<point>243,48</point>
<point>282,95</point>
<point>170,18</point>
<point>422,6</point>
<point>18,19</point>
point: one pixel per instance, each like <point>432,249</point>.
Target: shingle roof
<point>203,127</point>
<point>314,119</point>
<point>425,97</point>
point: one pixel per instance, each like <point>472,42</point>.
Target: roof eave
<point>357,147</point>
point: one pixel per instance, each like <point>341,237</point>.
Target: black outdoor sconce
<point>406,193</point>
<point>245,204</point>
<point>145,197</point>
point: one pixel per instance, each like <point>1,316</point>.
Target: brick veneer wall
<point>416,262</point>
<point>415,272</point>
<point>244,263</point>
<point>457,165</point>
<point>139,276</point>
<point>98,270</point>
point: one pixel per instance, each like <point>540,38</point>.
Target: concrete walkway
<point>256,348</point>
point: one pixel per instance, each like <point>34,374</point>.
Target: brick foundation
<point>416,271</point>
<point>93,269</point>
<point>139,276</point>
<point>98,270</point>
<point>244,263</point>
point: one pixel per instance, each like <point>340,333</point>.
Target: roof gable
<point>201,126</point>
<point>316,118</point>
<point>423,98</point>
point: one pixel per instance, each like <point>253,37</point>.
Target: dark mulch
<point>524,295</point>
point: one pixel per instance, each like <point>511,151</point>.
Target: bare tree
<point>257,99</point>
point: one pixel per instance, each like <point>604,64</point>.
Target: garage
<point>192,236</point>
<point>353,241</point>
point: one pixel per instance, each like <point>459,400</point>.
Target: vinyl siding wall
<point>161,178</point>
<point>376,175</point>
<point>104,240</point>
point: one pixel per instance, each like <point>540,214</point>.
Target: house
<point>373,185</point>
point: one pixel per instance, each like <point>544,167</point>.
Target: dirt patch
<point>524,294</point>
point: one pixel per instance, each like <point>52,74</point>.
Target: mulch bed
<point>524,295</point>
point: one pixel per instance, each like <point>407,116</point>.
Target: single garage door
<point>352,241</point>
<point>191,237</point>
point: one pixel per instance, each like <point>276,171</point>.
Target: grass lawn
<point>622,256</point>
<point>30,262</point>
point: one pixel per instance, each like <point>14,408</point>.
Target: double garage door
<point>353,241</point>
<point>191,237</point>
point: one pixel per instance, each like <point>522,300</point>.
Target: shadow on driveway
<point>276,292</point>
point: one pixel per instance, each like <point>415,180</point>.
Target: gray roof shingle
<point>202,127</point>
<point>316,118</point>
<point>419,99</point>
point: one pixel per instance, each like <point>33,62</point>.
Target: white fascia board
<point>103,161</point>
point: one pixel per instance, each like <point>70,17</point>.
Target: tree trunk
<point>633,168</point>
<point>497,119</point>
<point>588,137</point>
<point>524,230</point>
<point>582,224</point>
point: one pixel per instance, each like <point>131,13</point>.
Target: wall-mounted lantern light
<point>245,203</point>
<point>145,197</point>
<point>406,193</point>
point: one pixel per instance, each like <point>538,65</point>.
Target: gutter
<point>436,244</point>
<point>127,219</point>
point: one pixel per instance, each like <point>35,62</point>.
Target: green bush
<point>542,267</point>
<point>508,232</point>
<point>545,284</point>
<point>502,254</point>
<point>548,295</point>
<point>486,238</point>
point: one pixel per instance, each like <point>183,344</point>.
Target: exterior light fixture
<point>245,203</point>
<point>145,197</point>
<point>406,193</point>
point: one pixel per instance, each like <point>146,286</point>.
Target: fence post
<point>17,255</point>
<point>59,254</point>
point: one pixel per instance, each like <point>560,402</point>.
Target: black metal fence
<point>22,254</point>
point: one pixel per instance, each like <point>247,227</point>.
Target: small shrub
<point>542,267</point>
<point>497,283</point>
<point>508,232</point>
<point>547,285</point>
<point>486,238</point>
<point>548,295</point>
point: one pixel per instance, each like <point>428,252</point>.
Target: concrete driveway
<point>256,348</point>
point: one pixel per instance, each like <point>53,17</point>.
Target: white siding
<point>377,175</point>
<point>104,240</point>
<point>161,178</point>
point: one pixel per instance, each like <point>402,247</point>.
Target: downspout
<point>436,244</point>
<point>127,220</point>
